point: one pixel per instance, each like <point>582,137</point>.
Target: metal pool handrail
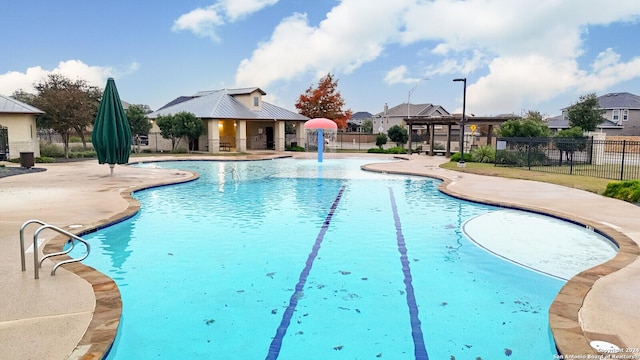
<point>38,263</point>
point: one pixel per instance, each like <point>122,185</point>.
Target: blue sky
<point>516,55</point>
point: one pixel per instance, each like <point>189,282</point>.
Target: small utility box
<point>27,160</point>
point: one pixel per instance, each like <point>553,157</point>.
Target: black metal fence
<point>609,159</point>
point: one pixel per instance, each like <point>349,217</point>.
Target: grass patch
<point>591,184</point>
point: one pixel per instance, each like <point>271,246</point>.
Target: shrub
<point>438,146</point>
<point>81,154</point>
<point>483,154</point>
<point>179,150</point>
<point>45,159</point>
<point>296,148</point>
<point>381,139</point>
<point>456,157</point>
<point>376,150</point>
<point>51,150</point>
<point>396,150</point>
<point>624,190</point>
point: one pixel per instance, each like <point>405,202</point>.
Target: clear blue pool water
<point>292,259</point>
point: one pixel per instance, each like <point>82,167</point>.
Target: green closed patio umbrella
<point>111,136</point>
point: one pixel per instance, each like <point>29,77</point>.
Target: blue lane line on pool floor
<point>420,350</point>
<point>276,343</point>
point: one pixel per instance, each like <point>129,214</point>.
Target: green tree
<point>68,106</point>
<point>569,141</point>
<point>586,113</point>
<point>325,101</point>
<point>192,127</point>
<point>138,120</point>
<point>530,126</point>
<point>367,126</point>
<point>398,134</point>
<point>170,128</point>
<point>177,126</point>
<point>381,139</point>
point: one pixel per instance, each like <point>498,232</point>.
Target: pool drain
<point>604,346</point>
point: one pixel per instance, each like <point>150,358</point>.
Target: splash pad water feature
<point>318,131</point>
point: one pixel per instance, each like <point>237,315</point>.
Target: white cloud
<point>514,53</point>
<point>72,69</point>
<point>204,22</point>
<point>201,21</point>
<point>397,75</point>
<point>239,8</point>
<point>338,43</point>
<point>608,70</point>
<point>514,82</point>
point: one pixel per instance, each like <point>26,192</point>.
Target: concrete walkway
<point>75,313</point>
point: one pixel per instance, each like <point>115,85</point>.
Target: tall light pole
<point>409,98</point>
<point>464,103</point>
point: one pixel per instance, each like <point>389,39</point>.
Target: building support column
<point>490,135</point>
<point>301,134</point>
<point>431,128</point>
<point>241,135</point>
<point>447,152</point>
<point>278,134</point>
<point>213,136</point>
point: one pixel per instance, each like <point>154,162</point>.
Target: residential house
<point>18,132</point>
<point>396,115</point>
<point>357,120</point>
<point>621,112</point>
<point>234,119</point>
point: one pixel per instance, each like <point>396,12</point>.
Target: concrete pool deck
<point>75,313</point>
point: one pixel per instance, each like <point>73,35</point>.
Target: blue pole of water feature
<point>320,144</point>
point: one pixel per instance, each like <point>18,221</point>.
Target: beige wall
<point>247,100</point>
<point>631,126</point>
<point>22,134</point>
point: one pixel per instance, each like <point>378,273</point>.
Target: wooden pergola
<point>449,121</point>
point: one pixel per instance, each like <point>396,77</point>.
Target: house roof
<point>559,122</point>
<point>361,115</point>
<point>622,100</point>
<point>221,104</point>
<point>10,105</point>
<point>405,109</point>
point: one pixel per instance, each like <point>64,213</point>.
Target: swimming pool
<point>293,259</point>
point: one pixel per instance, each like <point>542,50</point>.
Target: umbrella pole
<point>111,166</point>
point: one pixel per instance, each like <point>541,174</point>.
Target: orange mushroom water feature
<point>320,124</point>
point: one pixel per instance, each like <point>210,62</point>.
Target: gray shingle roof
<point>559,123</point>
<point>220,104</point>
<point>361,115</point>
<point>623,100</point>
<point>10,105</point>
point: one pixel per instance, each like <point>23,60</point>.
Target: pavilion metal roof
<point>221,104</point>
<point>10,105</point>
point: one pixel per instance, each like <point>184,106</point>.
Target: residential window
<point>256,101</point>
<point>625,115</point>
<point>616,115</point>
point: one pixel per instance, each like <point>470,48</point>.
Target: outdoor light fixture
<point>464,103</point>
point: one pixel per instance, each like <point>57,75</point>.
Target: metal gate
<point>4,143</point>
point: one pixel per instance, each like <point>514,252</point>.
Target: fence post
<point>573,148</point>
<point>529,154</point>
<point>624,145</point>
